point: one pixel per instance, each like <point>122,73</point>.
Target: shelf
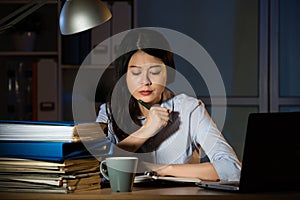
<point>24,53</point>
<point>25,1</point>
<point>87,66</point>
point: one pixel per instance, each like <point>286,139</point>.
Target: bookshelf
<point>20,66</point>
<point>30,57</point>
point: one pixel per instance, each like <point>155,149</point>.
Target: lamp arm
<point>26,9</point>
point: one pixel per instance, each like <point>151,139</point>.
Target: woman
<point>168,129</point>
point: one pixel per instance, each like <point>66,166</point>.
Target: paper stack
<point>14,130</point>
<point>48,157</point>
<point>26,175</point>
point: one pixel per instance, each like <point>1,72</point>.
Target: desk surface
<point>144,193</point>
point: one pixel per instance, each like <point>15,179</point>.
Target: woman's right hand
<point>157,119</point>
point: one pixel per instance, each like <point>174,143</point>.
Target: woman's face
<point>146,77</point>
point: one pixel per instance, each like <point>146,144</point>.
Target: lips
<point>145,92</point>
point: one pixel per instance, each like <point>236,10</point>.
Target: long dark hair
<point>124,117</point>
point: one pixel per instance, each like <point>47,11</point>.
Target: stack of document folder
<point>47,157</point>
<point>16,130</point>
<point>26,175</point>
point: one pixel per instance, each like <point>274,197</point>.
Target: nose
<point>145,79</point>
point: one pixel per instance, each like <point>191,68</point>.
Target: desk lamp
<point>80,15</point>
<point>76,15</point>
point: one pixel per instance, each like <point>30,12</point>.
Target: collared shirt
<point>190,127</point>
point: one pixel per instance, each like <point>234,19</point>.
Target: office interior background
<point>254,43</point>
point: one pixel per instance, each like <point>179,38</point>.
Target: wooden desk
<point>171,193</point>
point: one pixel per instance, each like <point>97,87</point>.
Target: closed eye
<point>155,69</point>
<point>155,73</point>
<point>135,73</point>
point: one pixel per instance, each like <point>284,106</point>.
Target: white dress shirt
<point>190,127</point>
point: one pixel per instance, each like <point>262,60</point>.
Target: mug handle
<point>102,170</point>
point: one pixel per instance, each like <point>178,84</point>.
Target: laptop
<point>271,155</point>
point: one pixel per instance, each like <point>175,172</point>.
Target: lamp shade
<point>80,15</point>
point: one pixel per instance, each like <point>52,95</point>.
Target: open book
<point>152,177</point>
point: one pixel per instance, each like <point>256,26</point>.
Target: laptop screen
<point>272,152</point>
